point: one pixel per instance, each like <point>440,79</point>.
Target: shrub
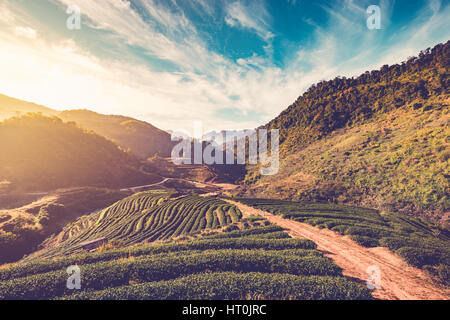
<point>247,232</point>
<point>395,243</point>
<point>367,232</point>
<point>118,273</point>
<point>235,286</point>
<point>444,273</point>
<point>365,241</point>
<point>342,229</point>
<point>419,257</point>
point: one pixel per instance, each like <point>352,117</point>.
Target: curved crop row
<point>42,266</point>
<point>121,272</point>
<point>236,286</point>
<point>145,217</point>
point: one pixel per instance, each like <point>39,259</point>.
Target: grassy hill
<point>22,229</point>
<point>41,154</point>
<point>379,140</point>
<point>257,262</point>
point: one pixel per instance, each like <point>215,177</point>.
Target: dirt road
<point>399,281</point>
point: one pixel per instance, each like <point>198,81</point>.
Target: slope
<point>380,140</point>
<point>143,217</point>
<point>23,229</point>
<point>11,107</point>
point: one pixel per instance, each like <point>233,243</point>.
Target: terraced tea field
<point>147,216</point>
<point>420,243</point>
<point>253,263</point>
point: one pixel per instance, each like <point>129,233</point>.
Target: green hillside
<point>144,217</point>
<point>248,264</point>
<point>379,140</point>
<point>41,154</point>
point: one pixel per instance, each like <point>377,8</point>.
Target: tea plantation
<point>258,262</point>
<point>417,241</point>
<point>146,216</point>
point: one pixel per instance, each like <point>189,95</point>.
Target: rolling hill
<point>379,140</point>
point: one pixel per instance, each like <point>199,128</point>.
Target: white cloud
<point>252,17</point>
<point>25,32</point>
<point>62,74</point>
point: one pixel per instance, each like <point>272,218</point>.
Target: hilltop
<point>11,107</point>
<point>379,140</point>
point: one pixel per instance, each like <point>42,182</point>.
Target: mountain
<point>140,137</point>
<point>378,140</point>
<point>41,153</point>
<point>10,107</point>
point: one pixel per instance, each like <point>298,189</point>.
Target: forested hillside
<point>379,140</point>
<point>41,154</point>
<point>343,102</point>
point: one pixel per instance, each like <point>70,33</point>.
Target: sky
<point>231,64</point>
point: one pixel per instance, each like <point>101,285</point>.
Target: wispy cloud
<point>202,84</point>
<point>253,16</point>
<point>25,32</point>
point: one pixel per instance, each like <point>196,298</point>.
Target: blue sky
<point>231,64</point>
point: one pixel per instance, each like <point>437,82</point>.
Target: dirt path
<point>399,281</point>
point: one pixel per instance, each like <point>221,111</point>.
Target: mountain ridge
<point>140,137</point>
<point>379,140</point>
